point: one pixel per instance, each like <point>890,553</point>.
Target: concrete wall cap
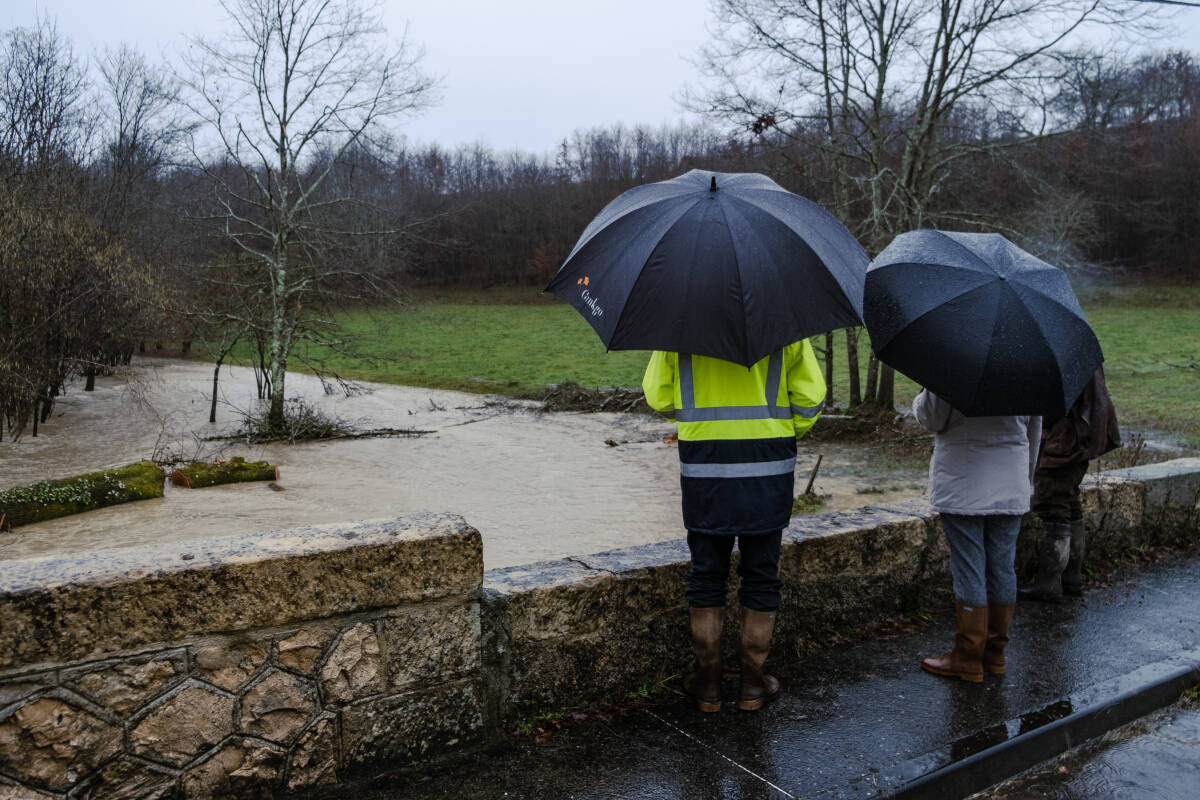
<point>120,565</point>
<point>1150,472</point>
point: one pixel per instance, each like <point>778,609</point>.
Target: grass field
<point>1151,341</point>
<point>516,341</point>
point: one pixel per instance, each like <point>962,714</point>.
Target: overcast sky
<point>515,73</point>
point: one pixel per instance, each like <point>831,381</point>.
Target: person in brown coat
<point>1087,431</point>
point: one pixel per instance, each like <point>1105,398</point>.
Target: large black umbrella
<point>718,264</point>
<point>980,322</point>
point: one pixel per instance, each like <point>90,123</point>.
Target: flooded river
<point>536,485</point>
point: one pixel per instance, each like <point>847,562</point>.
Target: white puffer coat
<point>980,465</point>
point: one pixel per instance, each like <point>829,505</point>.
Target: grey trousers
<point>982,552</point>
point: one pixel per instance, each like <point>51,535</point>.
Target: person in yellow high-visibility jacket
<point>737,457</point>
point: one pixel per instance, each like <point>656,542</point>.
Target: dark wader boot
<point>1053,554</point>
<point>1072,577</point>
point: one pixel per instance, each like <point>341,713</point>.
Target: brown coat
<point>1087,431</point>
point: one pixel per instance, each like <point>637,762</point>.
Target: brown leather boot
<point>757,689</point>
<point>999,619</point>
<point>704,687</point>
<point>965,661</point>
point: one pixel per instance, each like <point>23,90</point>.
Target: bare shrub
<point>301,422</point>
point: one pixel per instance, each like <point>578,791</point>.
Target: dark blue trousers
<point>758,568</point>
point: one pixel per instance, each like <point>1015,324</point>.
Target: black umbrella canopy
<point>728,265</point>
<point>979,321</point>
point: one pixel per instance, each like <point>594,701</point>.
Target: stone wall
<point>599,625</point>
<point>247,665</point>
<point>581,628</point>
<point>241,665</point>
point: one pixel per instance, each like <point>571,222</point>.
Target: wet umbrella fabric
<point>726,265</point>
<point>980,322</point>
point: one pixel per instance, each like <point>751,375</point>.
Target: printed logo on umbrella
<point>588,299</point>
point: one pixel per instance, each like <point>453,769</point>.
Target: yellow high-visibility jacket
<point>737,433</point>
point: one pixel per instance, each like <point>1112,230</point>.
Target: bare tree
<point>1123,182</point>
<point>298,78</point>
<point>890,84</point>
<point>43,116</point>
<point>69,302</point>
<point>140,128</point>
<point>894,92</point>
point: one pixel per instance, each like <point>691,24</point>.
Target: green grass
<point>809,503</point>
<point>1151,341</point>
<point>906,390</point>
<point>517,344</point>
<point>516,341</point>
<point>516,349</point>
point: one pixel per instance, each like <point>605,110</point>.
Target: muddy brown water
<point>536,485</point>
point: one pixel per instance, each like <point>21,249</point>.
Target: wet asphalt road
<point>857,721</point>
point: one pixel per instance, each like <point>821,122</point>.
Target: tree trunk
<point>887,388</point>
<point>278,370</point>
<point>90,385</point>
<point>852,366</point>
<point>58,498</point>
<point>262,379</point>
<point>212,409</point>
<point>198,474</point>
<point>36,414</point>
<point>275,418</point>
<point>829,368</point>
<point>872,377</point>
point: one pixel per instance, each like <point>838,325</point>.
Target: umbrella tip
<point>712,187</point>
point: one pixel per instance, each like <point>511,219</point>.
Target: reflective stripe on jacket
<point>737,433</point>
<point>781,395</point>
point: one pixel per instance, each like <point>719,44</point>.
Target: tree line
<point>252,191</point>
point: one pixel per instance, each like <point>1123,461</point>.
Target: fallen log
<point>23,505</point>
<point>199,474</point>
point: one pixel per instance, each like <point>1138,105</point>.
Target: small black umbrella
<point>726,265</point>
<point>980,322</point>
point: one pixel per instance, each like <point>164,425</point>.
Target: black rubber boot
<point>1072,578</point>
<point>1053,553</point>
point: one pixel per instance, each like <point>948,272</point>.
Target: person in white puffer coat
<point>980,482</point>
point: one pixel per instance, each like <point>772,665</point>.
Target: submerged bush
<point>302,422</point>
